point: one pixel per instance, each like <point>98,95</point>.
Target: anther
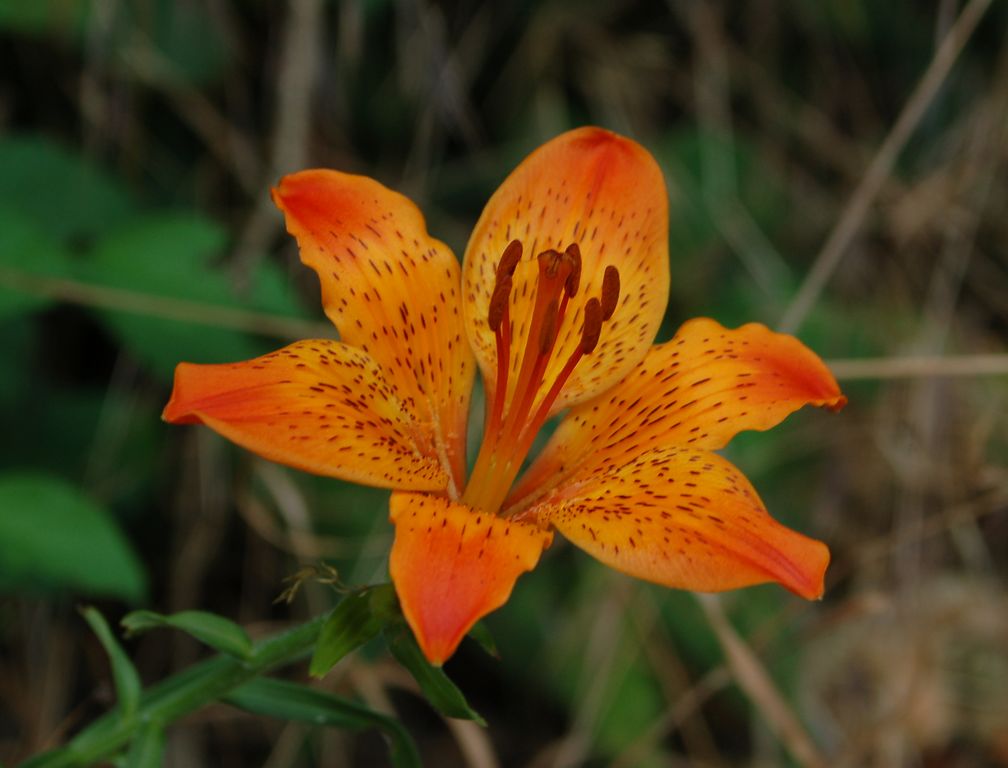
<point>573,254</point>
<point>548,332</point>
<point>499,302</point>
<point>509,259</point>
<point>610,291</point>
<point>592,325</point>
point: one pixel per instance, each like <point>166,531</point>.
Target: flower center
<point>512,424</point>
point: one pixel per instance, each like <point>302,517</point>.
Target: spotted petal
<point>319,406</point>
<point>452,565</point>
<point>698,391</point>
<point>605,193</point>
<point>683,518</point>
<point>391,290</point>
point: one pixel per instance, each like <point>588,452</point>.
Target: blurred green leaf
<point>64,194</point>
<point>439,690</point>
<point>210,629</point>
<point>298,703</point>
<point>127,681</point>
<point>53,537</point>
<point>632,699</point>
<point>42,16</point>
<point>172,256</point>
<point>17,337</point>
<point>185,37</point>
<point>113,437</point>
<point>27,253</point>
<point>153,40</point>
<point>351,624</point>
<point>147,749</point>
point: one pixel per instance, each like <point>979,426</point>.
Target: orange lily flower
<point>562,289</point>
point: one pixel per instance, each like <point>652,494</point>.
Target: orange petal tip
<point>452,565</point>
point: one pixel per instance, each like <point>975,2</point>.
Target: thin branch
<point>148,305</point>
<point>292,328</point>
<point>882,165</point>
<point>752,677</point>
<point>920,367</point>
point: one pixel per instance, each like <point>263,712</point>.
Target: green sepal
<point>124,674</point>
<point>291,701</point>
<point>385,604</point>
<point>439,690</point>
<point>351,624</point>
<point>210,629</point>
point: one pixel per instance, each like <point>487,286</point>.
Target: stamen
<point>499,320</point>
<point>573,254</point>
<point>499,302</point>
<point>610,291</point>
<point>590,332</point>
<point>592,328</point>
<point>548,332</point>
<point>509,435</point>
<point>509,259</point>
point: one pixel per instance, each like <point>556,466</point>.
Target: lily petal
<point>698,390</point>
<point>319,406</point>
<point>452,565</point>
<point>683,518</point>
<point>607,194</point>
<point>391,290</point>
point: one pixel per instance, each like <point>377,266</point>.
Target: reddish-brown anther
<point>592,326</point>
<point>499,302</point>
<point>509,259</point>
<point>573,254</point>
<point>610,292</point>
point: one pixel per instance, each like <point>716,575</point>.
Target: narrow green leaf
<point>351,624</point>
<point>290,701</point>
<point>440,691</point>
<point>52,536</point>
<point>210,629</point>
<point>124,674</point>
<point>147,749</point>
<point>481,634</point>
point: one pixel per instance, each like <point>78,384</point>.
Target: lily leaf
<point>290,701</point>
<point>440,691</point>
<point>351,624</point>
<point>481,634</point>
<point>147,749</point>
<point>124,674</point>
<point>210,629</point>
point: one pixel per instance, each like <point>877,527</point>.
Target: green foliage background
<point>138,142</point>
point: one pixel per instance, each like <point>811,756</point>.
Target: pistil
<point>509,435</point>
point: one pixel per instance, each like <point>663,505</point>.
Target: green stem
<point>185,692</point>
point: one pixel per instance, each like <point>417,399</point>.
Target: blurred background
<point>838,169</point>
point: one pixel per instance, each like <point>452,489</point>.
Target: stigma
<point>522,394</point>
